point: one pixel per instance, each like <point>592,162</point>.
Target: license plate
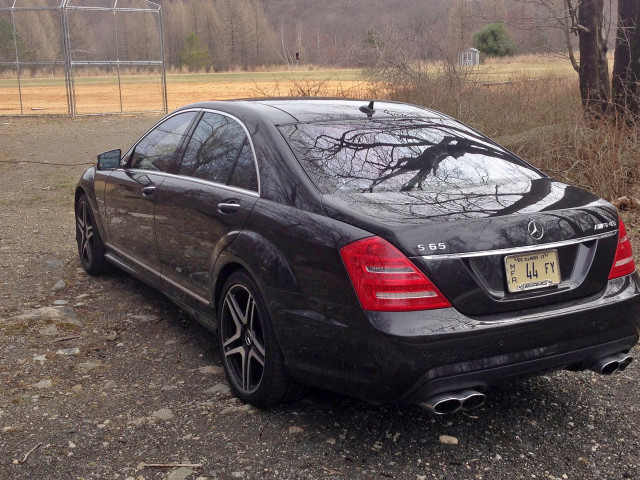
<point>529,271</point>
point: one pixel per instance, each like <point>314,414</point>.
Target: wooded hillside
<point>217,35</point>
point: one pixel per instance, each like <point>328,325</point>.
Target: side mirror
<point>109,160</point>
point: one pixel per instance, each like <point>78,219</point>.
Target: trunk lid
<point>460,239</point>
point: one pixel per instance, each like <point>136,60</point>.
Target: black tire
<point>90,246</point>
<point>252,359</point>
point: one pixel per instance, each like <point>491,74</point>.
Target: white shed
<point>470,56</point>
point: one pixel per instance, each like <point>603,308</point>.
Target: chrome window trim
<point>202,181</point>
<point>158,274</point>
<point>516,250</point>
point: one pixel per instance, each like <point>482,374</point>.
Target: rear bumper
<point>411,356</point>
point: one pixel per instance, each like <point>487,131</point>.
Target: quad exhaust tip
<point>611,363</point>
<point>451,402</point>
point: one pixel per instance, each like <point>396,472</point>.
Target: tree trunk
<point>626,66</point>
<point>594,73</point>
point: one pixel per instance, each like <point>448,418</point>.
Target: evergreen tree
<point>494,40</point>
<point>193,55</point>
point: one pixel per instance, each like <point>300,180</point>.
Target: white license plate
<point>529,271</point>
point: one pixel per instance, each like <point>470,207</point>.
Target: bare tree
<point>595,89</point>
<point>626,66</point>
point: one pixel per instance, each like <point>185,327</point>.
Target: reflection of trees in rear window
<point>400,155</point>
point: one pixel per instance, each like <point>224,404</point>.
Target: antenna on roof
<point>368,109</point>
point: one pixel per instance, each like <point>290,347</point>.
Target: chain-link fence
<point>81,57</point>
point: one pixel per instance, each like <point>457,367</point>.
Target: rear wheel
<point>251,356</point>
<point>90,246</point>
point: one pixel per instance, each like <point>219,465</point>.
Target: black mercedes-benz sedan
<point>377,249</point>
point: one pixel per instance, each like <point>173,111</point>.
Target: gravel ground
<point>105,378</point>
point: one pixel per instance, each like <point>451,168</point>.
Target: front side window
<point>157,149</point>
<point>401,155</point>
<point>219,151</point>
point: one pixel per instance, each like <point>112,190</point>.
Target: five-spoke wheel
<point>248,347</point>
<point>90,246</point>
<point>242,339</point>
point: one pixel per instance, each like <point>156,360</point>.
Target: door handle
<point>148,190</point>
<point>229,206</point>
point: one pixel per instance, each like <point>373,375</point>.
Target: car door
<point>130,192</point>
<point>200,210</point>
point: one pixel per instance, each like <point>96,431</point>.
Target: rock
<point>60,302</point>
<point>76,388</point>
<point>50,331</point>
<point>211,369</point>
<point>53,263</point>
<point>59,285</point>
<point>179,473</point>
<point>331,441</point>
<point>68,351</point>
<point>39,358</point>
<point>163,414</point>
<point>293,429</point>
<point>60,315</point>
<point>87,367</point>
<point>448,440</point>
<point>218,388</point>
<point>43,384</point>
<point>237,474</point>
<point>111,336</point>
<point>498,457</point>
<point>244,408</point>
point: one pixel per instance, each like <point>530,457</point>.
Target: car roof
<point>307,110</point>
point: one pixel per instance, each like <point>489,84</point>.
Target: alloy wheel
<point>242,339</point>
<point>84,228</point>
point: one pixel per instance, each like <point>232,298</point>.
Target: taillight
<point>623,264</point>
<point>386,280</point>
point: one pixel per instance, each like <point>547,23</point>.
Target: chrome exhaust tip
<point>611,363</point>
<point>472,399</point>
<point>450,402</point>
<point>606,366</point>
<point>443,404</point>
<point>623,360</point>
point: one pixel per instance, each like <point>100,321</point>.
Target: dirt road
<point>103,377</point>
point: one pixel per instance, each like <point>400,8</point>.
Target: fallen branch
<point>30,452</point>
<point>170,465</point>
<point>64,339</point>
<point>331,471</point>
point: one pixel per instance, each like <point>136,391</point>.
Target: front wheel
<point>251,356</point>
<point>90,246</point>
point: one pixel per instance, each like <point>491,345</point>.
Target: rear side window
<point>157,149</point>
<point>401,155</point>
<point>219,151</point>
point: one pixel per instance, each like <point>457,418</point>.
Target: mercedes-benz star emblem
<point>535,230</point>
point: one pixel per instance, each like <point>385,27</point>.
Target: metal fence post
<point>15,46</point>
<point>164,70</point>
<point>66,39</point>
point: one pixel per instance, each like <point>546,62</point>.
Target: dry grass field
<point>143,93</point>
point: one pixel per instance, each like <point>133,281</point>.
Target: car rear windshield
<point>401,155</point>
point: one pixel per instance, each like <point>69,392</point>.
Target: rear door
<point>130,192</point>
<point>201,209</point>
